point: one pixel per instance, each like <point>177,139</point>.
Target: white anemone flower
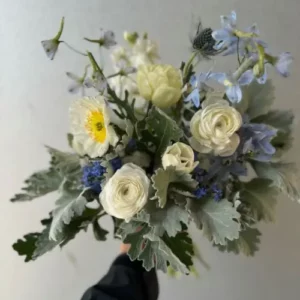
<point>90,127</point>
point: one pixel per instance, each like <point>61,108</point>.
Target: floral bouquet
<point>159,147</point>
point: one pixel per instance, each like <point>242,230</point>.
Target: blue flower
<point>201,192</point>
<point>198,85</point>
<point>224,37</point>
<point>217,192</point>
<point>200,174</point>
<point>116,163</point>
<point>227,40</point>
<point>283,62</point>
<point>233,87</point>
<point>92,175</point>
<point>256,140</point>
<point>222,167</point>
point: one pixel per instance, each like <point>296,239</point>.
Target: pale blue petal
<point>246,78</point>
<point>221,35</point>
<point>229,21</point>
<point>194,96</point>
<point>283,63</point>
<point>73,76</point>
<point>220,77</point>
<point>193,81</point>
<point>234,93</point>
<point>50,47</point>
<point>253,28</point>
<point>263,79</point>
<point>74,88</point>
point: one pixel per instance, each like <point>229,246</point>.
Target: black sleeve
<point>125,280</point>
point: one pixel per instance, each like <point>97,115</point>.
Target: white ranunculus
<point>90,127</point>
<point>214,128</point>
<point>180,156</point>
<point>126,192</point>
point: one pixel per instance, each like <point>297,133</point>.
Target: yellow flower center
<point>95,126</point>
<point>227,83</point>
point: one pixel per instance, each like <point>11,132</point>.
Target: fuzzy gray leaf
<point>281,120</point>
<point>67,164</point>
<point>70,204</point>
<point>247,243</point>
<point>259,98</point>
<point>219,220</point>
<point>261,197</point>
<point>39,184</point>
<point>158,252</point>
<point>284,176</point>
<point>162,179</point>
<point>168,219</point>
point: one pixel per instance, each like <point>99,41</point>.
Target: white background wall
<point>34,104</point>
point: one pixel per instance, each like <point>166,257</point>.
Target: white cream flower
<point>90,127</point>
<point>126,192</point>
<point>120,84</point>
<point>214,128</point>
<point>181,156</point>
<point>144,51</point>
<point>160,84</point>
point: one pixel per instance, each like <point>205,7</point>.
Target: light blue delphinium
<point>256,140</point>
<point>233,87</point>
<point>198,84</point>
<point>224,37</point>
<point>283,62</point>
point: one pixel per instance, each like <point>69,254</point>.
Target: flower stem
<point>123,105</point>
<point>60,31</point>
<point>238,51</point>
<point>94,63</point>
<point>247,64</point>
<point>73,49</point>
<point>188,64</point>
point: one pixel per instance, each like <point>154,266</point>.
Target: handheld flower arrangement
<point>158,148</point>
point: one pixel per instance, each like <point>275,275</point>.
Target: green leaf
<point>261,197</point>
<point>67,164</point>
<point>168,219</point>
<point>37,244</point>
<point>182,247</point>
<point>70,204</point>
<point>159,252</point>
<point>39,184</point>
<point>163,128</point>
<point>162,179</point>
<point>27,246</point>
<point>258,98</point>
<point>281,120</point>
<point>70,138</point>
<point>219,220</point>
<point>247,243</point>
<point>284,176</point>
<point>99,232</point>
